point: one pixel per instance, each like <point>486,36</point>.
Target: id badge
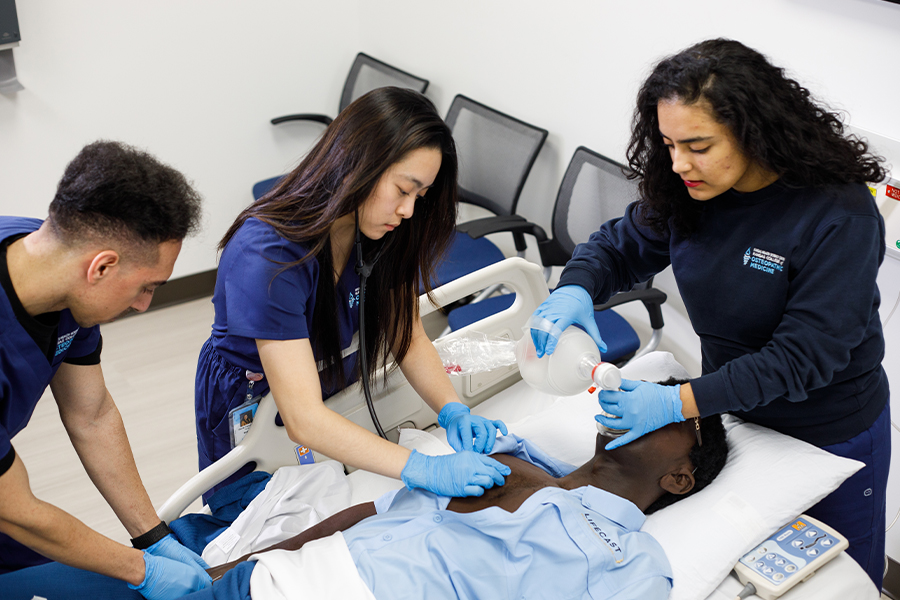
<point>241,418</point>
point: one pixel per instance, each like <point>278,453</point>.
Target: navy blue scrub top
<point>25,368</point>
<point>257,298</point>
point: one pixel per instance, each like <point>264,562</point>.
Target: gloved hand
<point>642,407</point>
<point>165,579</point>
<point>462,426</point>
<point>566,305</point>
<point>168,547</point>
<point>460,474</point>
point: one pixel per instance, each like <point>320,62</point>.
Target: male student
<point>114,230</point>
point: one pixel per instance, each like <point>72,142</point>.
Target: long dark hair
<point>337,176</point>
<point>773,118</point>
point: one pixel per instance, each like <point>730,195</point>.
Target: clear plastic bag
<point>475,352</point>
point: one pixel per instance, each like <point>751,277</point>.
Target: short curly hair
<point>708,459</point>
<point>112,190</point>
<point>773,118</point>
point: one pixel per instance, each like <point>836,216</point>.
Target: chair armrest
<point>323,119</point>
<point>515,224</point>
<point>651,297</point>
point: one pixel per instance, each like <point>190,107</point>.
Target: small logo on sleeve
<point>64,341</point>
<point>762,260</point>
<point>607,539</point>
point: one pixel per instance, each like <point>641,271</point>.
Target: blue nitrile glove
<point>462,426</point>
<point>460,474</point>
<point>565,306</point>
<point>165,579</point>
<point>642,407</point>
<point>168,547</point>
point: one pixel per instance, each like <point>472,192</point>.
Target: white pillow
<point>769,479</point>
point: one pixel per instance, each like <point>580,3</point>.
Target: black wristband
<point>145,540</point>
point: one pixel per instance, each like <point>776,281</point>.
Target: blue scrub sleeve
<point>263,299</point>
<point>91,358</point>
<point>85,342</point>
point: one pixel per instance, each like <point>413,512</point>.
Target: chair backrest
<point>369,73</point>
<point>593,191</point>
<point>496,152</point>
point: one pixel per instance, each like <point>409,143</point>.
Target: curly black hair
<point>113,190</point>
<point>709,459</point>
<point>775,121</point>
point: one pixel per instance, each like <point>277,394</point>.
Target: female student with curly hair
<point>757,198</point>
<point>287,295</point>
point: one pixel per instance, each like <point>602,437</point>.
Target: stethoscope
<point>364,269</point>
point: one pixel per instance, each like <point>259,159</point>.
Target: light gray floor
<point>149,362</point>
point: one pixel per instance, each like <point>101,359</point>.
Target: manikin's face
<point>396,193</point>
<point>670,444</point>
<point>126,287</point>
<point>704,152</point>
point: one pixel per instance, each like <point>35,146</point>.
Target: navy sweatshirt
<point>779,285</point>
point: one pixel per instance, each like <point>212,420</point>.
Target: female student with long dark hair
<point>757,198</point>
<point>287,295</point>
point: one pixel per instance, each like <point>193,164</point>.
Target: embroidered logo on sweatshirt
<point>762,260</point>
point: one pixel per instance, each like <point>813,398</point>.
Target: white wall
<point>196,81</point>
<point>192,81</point>
<point>573,66</point>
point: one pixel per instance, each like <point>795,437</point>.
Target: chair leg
<point>651,345</point>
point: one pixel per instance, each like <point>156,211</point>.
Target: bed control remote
<point>790,556</point>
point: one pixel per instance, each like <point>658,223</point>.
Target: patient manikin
<point>550,531</point>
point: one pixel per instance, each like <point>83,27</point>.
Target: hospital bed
<point>769,478</point>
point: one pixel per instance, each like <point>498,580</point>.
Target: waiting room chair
<point>594,190</point>
<point>496,153</point>
<point>366,74</point>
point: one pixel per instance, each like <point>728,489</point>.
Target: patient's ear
<point>678,482</point>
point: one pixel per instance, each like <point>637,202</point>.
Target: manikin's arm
<point>337,522</point>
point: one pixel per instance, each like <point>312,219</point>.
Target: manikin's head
<point>663,466</point>
<point>122,215</point>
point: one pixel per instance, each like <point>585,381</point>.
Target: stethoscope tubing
<point>364,269</point>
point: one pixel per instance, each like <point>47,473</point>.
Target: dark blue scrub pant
<point>857,508</point>
<point>59,582</point>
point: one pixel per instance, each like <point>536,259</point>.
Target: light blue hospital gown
<point>583,543</point>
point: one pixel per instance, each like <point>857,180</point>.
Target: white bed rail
<point>268,445</point>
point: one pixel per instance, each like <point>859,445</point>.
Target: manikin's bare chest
<point>524,481</point>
